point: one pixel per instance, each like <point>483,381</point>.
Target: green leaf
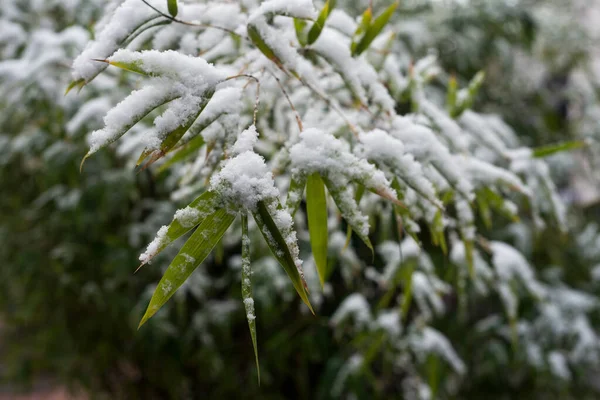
<point>469,249</point>
<point>204,205</point>
<point>299,25</point>
<point>361,28</point>
<point>451,96</point>
<point>407,274</point>
<point>172,6</point>
<point>191,255</point>
<point>280,249</point>
<point>151,106</point>
<point>551,149</point>
<point>360,191</point>
<point>472,90</point>
<point>247,288</point>
<point>133,66</point>
<point>315,30</point>
<point>349,209</point>
<point>78,83</point>
<point>316,207</point>
<point>183,152</point>
<point>173,137</point>
<point>258,41</point>
<point>375,29</point>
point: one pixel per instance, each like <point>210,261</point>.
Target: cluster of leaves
<point>432,300</point>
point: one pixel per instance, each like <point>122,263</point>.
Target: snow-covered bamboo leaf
<point>549,150</point>
<point>184,220</point>
<point>344,199</point>
<point>295,192</point>
<point>360,191</point>
<point>315,30</point>
<point>259,42</point>
<point>375,29</point>
<point>128,113</point>
<point>127,22</point>
<point>247,288</point>
<point>191,255</point>
<point>178,122</point>
<point>172,7</point>
<point>280,250</point>
<point>316,208</point>
<point>466,97</point>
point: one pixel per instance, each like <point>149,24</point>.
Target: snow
<point>355,306</point>
<point>245,180</point>
<point>187,217</point>
<point>245,141</point>
<point>432,341</point>
<point>320,152</point>
<point>293,8</point>
<point>159,241</point>
<point>123,22</point>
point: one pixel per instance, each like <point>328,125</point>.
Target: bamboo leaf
<point>316,207</point>
<point>247,288</point>
<point>204,205</point>
<point>315,30</point>
<point>258,41</point>
<point>173,137</point>
<point>297,184</point>
<point>349,209</point>
<point>375,29</point>
<point>451,96</point>
<point>191,255</point>
<point>172,7</point>
<point>551,149</point>
<point>299,25</point>
<point>183,152</point>
<point>280,250</point>
<point>361,28</point>
<point>78,83</point>
<point>407,274</point>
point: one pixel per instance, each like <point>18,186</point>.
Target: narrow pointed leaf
<point>173,137</point>
<point>172,7</point>
<point>78,83</point>
<point>299,25</point>
<point>316,207</point>
<point>183,152</point>
<point>360,191</point>
<point>407,274</point>
<point>315,30</point>
<point>247,288</point>
<point>375,29</point>
<point>361,28</point>
<point>549,150</point>
<point>280,250</point>
<point>258,41</point>
<point>203,206</point>
<point>297,184</point>
<point>191,255</point>
<point>349,209</point>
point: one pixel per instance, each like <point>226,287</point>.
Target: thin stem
<point>257,101</point>
<point>298,120</point>
<point>179,21</point>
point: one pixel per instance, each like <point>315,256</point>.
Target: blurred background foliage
<point>70,303</point>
